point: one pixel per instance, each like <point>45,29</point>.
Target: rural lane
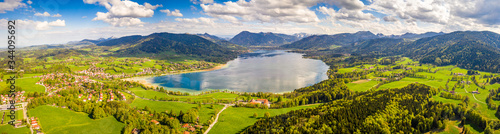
<point>217,118</point>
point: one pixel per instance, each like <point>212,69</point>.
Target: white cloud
<point>264,11</point>
<point>202,1</point>
<point>57,15</point>
<point>433,11</point>
<point>176,12</point>
<point>41,25</point>
<point>46,14</point>
<point>348,4</point>
<point>346,14</point>
<point>10,5</point>
<point>201,20</point>
<point>29,2</point>
<point>484,11</point>
<point>390,19</point>
<point>58,23</point>
<point>149,6</point>
<point>123,13</point>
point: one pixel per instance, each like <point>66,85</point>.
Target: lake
<point>260,71</point>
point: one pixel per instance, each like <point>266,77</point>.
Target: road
<point>217,118</point>
<point>473,95</point>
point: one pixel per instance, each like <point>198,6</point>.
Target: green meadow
<point>63,121</point>
<point>205,112</point>
<point>235,119</point>
<point>9,129</point>
<point>141,92</point>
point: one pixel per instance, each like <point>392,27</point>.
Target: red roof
<point>185,125</point>
<point>155,122</point>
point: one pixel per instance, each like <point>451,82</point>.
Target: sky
<point>60,21</point>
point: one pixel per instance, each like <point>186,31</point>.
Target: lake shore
<point>145,80</point>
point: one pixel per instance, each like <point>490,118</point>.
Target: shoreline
<point>144,79</point>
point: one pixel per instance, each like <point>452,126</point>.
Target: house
<point>475,92</point>
<point>155,122</point>
<point>36,127</point>
<point>80,96</point>
<point>260,101</point>
<point>192,129</point>
<point>186,132</point>
<point>136,131</point>
<point>18,124</point>
<point>185,125</point>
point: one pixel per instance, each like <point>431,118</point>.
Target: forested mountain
<point>222,42</point>
<point>405,110</point>
<point>467,53</point>
<point>246,38</point>
<point>467,49</point>
<point>168,46</point>
<point>414,36</point>
<point>376,46</point>
<point>330,41</point>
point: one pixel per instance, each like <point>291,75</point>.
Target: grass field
<point>9,129</point>
<point>163,106</point>
<point>63,121</point>
<point>361,86</point>
<point>19,115</point>
<point>27,84</point>
<point>233,120</point>
<point>154,94</point>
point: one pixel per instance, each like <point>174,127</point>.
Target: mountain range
<point>171,46</point>
<point>246,38</point>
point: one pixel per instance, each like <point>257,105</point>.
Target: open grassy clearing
<point>437,77</point>
<point>141,92</point>
<point>63,121</point>
<point>235,119</point>
<point>205,112</point>
<point>9,129</point>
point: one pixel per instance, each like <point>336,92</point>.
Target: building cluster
<point>64,81</point>
<point>34,123</point>
<point>260,101</point>
<point>191,128</point>
<point>146,71</point>
<point>88,97</point>
<point>5,99</point>
<point>97,72</point>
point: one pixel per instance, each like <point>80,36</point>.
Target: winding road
<point>217,117</point>
<point>473,95</point>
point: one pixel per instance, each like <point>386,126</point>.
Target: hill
<point>170,46</point>
<point>330,41</point>
<point>405,110</point>
<point>222,42</point>
<point>466,49</point>
<point>414,36</point>
<point>246,39</point>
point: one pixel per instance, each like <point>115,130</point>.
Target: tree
<point>98,113</point>
<point>280,98</point>
<point>190,116</point>
<point>488,130</point>
<point>255,115</point>
<point>267,115</point>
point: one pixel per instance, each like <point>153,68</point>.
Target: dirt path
<point>217,118</point>
<point>473,95</point>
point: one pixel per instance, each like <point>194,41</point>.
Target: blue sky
<point>60,21</point>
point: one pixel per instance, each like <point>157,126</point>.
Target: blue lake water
<point>260,71</point>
